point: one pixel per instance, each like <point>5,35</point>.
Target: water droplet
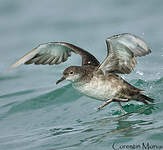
<point>140,73</point>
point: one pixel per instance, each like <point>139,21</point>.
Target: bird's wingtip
<point>149,51</point>
<point>13,66</point>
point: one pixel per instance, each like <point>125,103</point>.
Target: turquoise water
<point>36,114</point>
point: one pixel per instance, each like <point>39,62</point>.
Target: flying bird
<point>97,80</point>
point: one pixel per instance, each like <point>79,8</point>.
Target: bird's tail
<point>142,98</point>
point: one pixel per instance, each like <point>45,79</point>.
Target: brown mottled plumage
<point>99,81</point>
<point>88,78</point>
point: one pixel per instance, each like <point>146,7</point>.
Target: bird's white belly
<point>98,89</point>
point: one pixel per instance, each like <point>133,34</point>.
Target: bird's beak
<point>63,78</point>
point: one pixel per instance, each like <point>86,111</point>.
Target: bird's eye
<point>71,72</point>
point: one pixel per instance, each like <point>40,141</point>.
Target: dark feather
<point>142,98</point>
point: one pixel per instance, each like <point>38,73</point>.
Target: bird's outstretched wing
<point>122,50</point>
<point>55,53</point>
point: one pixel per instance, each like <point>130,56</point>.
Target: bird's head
<point>72,73</point>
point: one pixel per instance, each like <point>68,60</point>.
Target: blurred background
<point>37,114</point>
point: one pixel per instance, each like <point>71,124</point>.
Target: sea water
<point>37,114</point>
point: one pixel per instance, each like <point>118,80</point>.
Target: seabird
<point>94,79</point>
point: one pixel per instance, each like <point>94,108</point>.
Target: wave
<point>56,97</point>
<point>68,94</point>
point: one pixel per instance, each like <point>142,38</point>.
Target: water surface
<point>37,114</point>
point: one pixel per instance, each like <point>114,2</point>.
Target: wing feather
<point>55,53</point>
<point>122,50</point>
<point>54,61</point>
